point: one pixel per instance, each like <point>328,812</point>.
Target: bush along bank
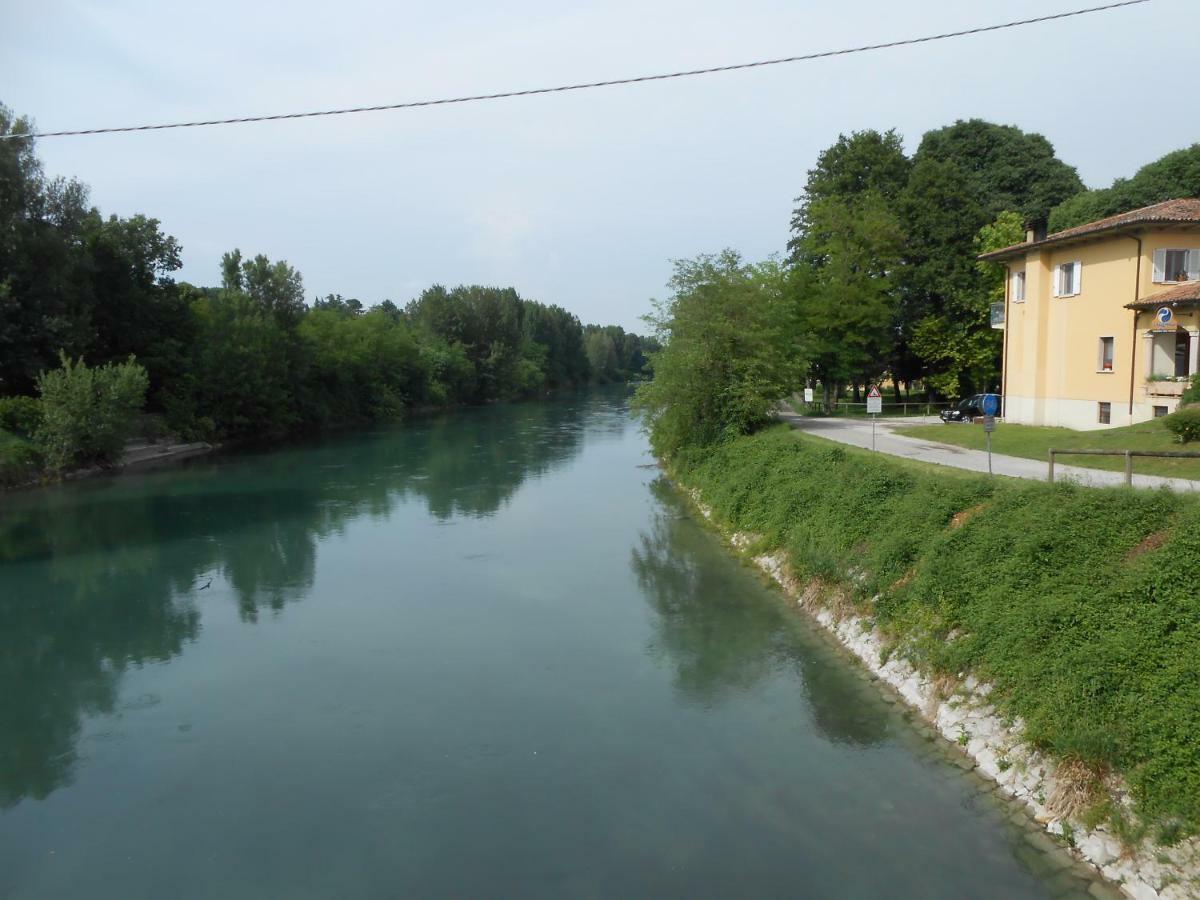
<point>1049,630</point>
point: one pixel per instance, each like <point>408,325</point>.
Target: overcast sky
<point>579,199</point>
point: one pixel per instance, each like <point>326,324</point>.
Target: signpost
<point>808,395</point>
<point>991,406</point>
<point>874,408</point>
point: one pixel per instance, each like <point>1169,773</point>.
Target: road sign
<point>808,395</point>
<point>989,424</point>
<point>991,405</point>
<point>874,401</point>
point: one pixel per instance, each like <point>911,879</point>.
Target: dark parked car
<point>968,409</point>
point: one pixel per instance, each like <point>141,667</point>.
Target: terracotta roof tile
<point>1185,211</point>
<point>1188,292</point>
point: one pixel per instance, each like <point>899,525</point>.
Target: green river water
<point>482,655</point>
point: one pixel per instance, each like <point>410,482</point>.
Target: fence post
<point>1051,476</point>
<point>1129,468</point>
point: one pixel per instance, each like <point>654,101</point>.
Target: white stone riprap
<point>994,746</point>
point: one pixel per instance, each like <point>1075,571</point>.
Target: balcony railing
<point>1166,388</point>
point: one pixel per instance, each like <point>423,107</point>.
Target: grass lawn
<point>1034,442</point>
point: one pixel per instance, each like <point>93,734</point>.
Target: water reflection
<point>717,642</point>
<point>722,636</point>
<point>98,577</point>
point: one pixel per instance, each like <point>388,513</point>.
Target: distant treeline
<point>251,358</point>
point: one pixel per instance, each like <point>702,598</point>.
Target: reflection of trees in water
<point>721,640</point>
<point>472,463</point>
<point>62,657</point>
<point>715,638</point>
<point>98,577</point>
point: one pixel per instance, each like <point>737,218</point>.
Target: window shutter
<point>1058,281</point>
<point>1077,281</point>
<point>1193,265</point>
<point>1160,265</point>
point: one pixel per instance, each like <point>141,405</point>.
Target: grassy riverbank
<point>1034,442</point>
<point>1077,604</point>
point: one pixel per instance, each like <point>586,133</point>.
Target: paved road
<point>857,433</point>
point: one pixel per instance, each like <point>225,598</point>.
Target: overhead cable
<point>500,95</point>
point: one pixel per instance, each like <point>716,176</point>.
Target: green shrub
<point>88,413</point>
<point>1184,423</point>
<point>1192,394</point>
<point>19,460</point>
<point>20,415</point>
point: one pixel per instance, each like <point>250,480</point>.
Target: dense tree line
<point>1173,176</point>
<point>884,246</point>
<point>250,357</point>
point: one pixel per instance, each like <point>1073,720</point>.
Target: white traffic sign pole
<point>874,408</point>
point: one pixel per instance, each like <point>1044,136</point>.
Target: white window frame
<point>1076,268</point>
<point>1018,286</point>
<point>1100,355</point>
<point>1191,264</point>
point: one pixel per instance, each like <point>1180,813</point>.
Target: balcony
<point>1167,388</point>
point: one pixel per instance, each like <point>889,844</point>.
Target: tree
<point>87,413</point>
<point>276,287</point>
<point>487,323</point>
<point>847,213</point>
<point>1004,168</point>
<point>963,177</point>
<point>44,284</point>
<point>1174,176</point>
<point>964,348</point>
<point>846,303</point>
<point>864,162</point>
<point>730,351</point>
<point>136,307</point>
<point>239,382</point>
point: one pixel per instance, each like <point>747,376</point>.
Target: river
<point>484,654</point>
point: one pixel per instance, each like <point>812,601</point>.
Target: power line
<point>586,86</point>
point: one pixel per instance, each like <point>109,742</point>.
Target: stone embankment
<point>1053,794</point>
<point>138,455</point>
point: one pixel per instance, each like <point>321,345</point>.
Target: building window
<point>1105,363</point>
<point>1067,279</point>
<point>1105,413</point>
<point>1159,412</point>
<point>1173,266</point>
<point>1018,287</point>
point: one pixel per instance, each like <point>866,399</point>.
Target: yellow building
<point>1102,322</point>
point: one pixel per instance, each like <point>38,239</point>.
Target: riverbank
<point>1044,630</point>
<point>136,457</point>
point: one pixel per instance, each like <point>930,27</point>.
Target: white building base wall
<point>1081,415</point>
